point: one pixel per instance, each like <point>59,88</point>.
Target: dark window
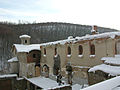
<point>44,51</point>
<point>34,55</point>
<point>92,49</point>
<point>80,49</point>
<point>25,41</point>
<point>69,51</point>
<point>55,51</point>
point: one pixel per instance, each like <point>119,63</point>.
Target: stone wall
<point>97,77</point>
<point>12,83</point>
<point>103,47</point>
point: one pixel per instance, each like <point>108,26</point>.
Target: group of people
<point>69,71</point>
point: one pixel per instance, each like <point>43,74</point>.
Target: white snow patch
<point>88,37</point>
<point>76,87</point>
<point>20,78</point>
<point>80,56</point>
<point>81,66</point>
<point>93,30</point>
<point>70,37</point>
<point>25,36</point>
<point>68,55</point>
<point>14,59</point>
<point>8,75</point>
<point>27,48</point>
<point>112,70</point>
<point>111,60</point>
<point>55,55</point>
<point>44,55</point>
<point>92,55</point>
<point>110,84</point>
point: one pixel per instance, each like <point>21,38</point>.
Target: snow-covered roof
<point>112,60</point>
<point>14,59</point>
<point>26,48</point>
<point>43,82</point>
<point>24,36</point>
<point>8,75</point>
<point>87,37</point>
<point>111,70</point>
<point>110,84</point>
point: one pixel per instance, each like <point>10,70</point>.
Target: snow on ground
<point>8,75</point>
<point>112,70</point>
<point>14,59</point>
<point>111,84</point>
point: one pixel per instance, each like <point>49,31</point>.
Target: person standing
<point>69,71</point>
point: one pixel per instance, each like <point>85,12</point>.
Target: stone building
<point>28,55</point>
<point>110,69</point>
<point>49,58</point>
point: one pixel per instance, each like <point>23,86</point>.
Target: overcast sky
<point>104,13</point>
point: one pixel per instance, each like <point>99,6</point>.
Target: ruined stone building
<point>31,60</point>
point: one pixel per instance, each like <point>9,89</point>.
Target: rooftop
<point>8,75</point>
<point>44,83</point>
<point>25,36</point>
<point>111,70</point>
<point>28,48</point>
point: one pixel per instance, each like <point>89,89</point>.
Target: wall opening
<point>44,51</point>
<point>69,50</point>
<point>80,49</point>
<point>92,49</point>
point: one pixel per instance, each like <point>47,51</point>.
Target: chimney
<point>94,30</point>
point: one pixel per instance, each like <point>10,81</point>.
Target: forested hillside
<point>40,32</point>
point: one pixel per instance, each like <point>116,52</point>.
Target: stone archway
<point>57,65</point>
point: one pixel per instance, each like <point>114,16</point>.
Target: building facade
<point>50,58</point>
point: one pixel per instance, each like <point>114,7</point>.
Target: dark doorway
<point>57,64</point>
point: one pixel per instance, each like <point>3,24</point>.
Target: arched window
<point>69,50</point>
<point>55,51</point>
<point>80,49</point>
<point>92,49</point>
<point>44,51</point>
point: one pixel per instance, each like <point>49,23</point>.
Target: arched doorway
<point>45,71</point>
<point>37,70</point>
<point>57,65</point>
